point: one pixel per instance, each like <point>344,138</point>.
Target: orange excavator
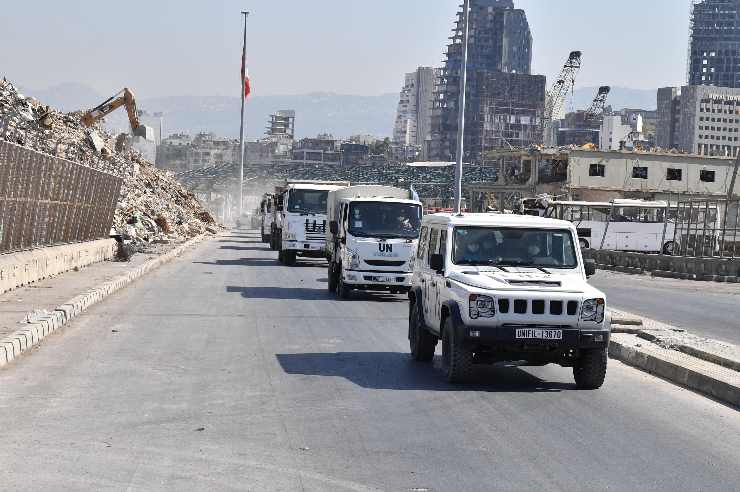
<point>123,98</point>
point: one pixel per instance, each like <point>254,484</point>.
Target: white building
<point>614,132</point>
<point>413,125</point>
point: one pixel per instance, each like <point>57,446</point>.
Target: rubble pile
<point>152,206</point>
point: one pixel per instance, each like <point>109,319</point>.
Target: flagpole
<point>461,111</point>
<point>241,128</point>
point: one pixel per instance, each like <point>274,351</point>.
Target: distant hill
<point>340,115</point>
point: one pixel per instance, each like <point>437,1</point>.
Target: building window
<point>597,170</point>
<point>707,176</point>
<point>639,172</point>
<point>674,174</point>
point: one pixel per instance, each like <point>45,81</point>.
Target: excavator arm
<point>123,98</point>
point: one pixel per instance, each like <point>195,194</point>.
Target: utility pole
<point>241,129</point>
<point>461,111</point>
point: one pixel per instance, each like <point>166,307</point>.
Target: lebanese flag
<point>246,84</point>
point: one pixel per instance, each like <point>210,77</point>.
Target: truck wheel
<point>343,289</point>
<point>289,258</point>
<point>590,369</point>
<point>265,238</point>
<point>281,257</point>
<point>332,278</point>
<point>422,342</point>
<point>457,360</point>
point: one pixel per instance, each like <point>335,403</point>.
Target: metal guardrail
<point>46,201</point>
<point>707,228</point>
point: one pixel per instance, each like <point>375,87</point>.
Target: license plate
<point>538,334</point>
<point>384,279</point>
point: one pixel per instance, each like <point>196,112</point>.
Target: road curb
<point>685,370</point>
<point>24,339</point>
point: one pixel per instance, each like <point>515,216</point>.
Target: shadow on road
<point>241,262</point>
<point>245,248</point>
<point>299,293</point>
<point>396,371</point>
<point>240,242</point>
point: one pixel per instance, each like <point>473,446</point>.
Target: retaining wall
<point>26,267</point>
<point>709,269</point>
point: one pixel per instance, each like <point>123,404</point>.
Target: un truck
<point>299,228</point>
<point>372,238</point>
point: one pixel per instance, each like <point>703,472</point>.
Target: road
<point>226,371</point>
<point>708,309</point>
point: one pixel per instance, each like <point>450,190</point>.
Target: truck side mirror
<point>590,267</point>
<point>334,227</point>
<point>437,262</point>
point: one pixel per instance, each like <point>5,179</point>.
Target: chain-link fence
<point>706,228</point>
<point>45,201</point>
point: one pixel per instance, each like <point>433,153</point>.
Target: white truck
<point>266,216</point>
<point>506,288</point>
<point>372,238</point>
<point>299,228</point>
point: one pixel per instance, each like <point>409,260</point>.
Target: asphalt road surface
<point>227,371</point>
<point>708,309</point>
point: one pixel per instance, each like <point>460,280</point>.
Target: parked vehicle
<point>618,225</point>
<point>372,238</point>
<point>506,288</point>
<point>299,224</point>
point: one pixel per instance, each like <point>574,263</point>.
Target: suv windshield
<point>381,219</point>
<point>307,201</point>
<point>535,248</point>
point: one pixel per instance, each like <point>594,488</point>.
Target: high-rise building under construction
<point>714,53</point>
<point>505,104</point>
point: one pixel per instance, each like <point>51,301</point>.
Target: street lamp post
<point>461,110</point>
<point>241,129</point>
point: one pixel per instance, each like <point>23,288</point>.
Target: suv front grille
<point>538,306</point>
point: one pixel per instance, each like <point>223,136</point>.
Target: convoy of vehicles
<point>491,287</point>
<point>498,288</point>
<point>372,237</point>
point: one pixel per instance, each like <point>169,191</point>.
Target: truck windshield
<point>514,247</point>
<point>384,220</point>
<point>307,201</point>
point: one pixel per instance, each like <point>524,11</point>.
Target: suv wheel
<point>590,369</point>
<point>457,360</point>
<point>422,342</point>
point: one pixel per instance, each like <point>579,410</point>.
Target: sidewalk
<point>50,293</point>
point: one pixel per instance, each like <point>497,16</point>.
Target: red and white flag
<point>246,83</point>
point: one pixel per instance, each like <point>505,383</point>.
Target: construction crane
<point>124,98</point>
<point>555,99</point>
<point>597,106</point>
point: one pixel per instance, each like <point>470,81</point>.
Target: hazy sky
<point>192,47</point>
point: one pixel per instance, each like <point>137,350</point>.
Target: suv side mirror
<point>437,262</point>
<point>590,267</point>
<point>334,227</point>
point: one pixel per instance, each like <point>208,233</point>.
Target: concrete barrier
<point>27,267</point>
<point>707,269</point>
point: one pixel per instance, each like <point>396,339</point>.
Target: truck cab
<point>506,288</point>
<point>300,226</point>
<point>372,239</point>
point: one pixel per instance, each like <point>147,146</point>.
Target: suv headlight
<point>593,310</point>
<point>481,306</point>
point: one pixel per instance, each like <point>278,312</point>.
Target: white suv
<point>506,288</point>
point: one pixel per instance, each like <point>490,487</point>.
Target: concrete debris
<point>152,205</point>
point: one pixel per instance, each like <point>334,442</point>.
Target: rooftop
<point>497,220</point>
